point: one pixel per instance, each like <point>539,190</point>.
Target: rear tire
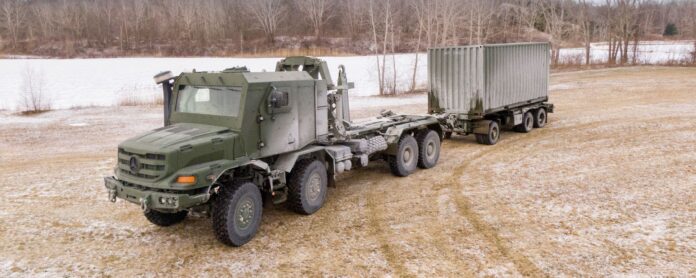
<point>428,149</point>
<point>406,159</point>
<point>527,123</point>
<point>164,219</point>
<point>307,187</point>
<point>540,118</point>
<point>493,134</point>
<point>236,211</point>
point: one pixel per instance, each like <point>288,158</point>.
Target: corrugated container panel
<point>483,78</point>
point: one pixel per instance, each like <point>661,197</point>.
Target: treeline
<point>97,28</point>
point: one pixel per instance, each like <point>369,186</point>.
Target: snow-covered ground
<point>103,82</point>
<point>649,52</point>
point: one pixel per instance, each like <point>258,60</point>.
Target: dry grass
<point>135,96</point>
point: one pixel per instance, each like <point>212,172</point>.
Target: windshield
<point>219,101</point>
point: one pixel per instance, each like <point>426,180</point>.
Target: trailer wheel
<point>406,159</point>
<point>540,118</point>
<point>307,187</point>
<point>493,135</point>
<point>527,123</point>
<point>165,219</point>
<point>428,149</point>
<point>236,213</point>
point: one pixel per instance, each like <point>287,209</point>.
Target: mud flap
<point>481,127</point>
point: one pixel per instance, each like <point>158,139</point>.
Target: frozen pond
<point>103,82</point>
<point>648,52</point>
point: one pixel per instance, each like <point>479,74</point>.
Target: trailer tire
<point>428,149</point>
<point>527,123</point>
<point>165,219</point>
<point>540,118</point>
<point>307,187</point>
<point>406,159</point>
<point>236,213</point>
<point>493,135</point>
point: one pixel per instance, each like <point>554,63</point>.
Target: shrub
<point>670,30</point>
<point>33,95</point>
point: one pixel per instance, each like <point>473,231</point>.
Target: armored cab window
<point>218,101</point>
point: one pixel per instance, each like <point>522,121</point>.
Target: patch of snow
<point>78,124</point>
<point>650,52</point>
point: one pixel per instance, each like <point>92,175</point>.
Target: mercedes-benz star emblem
<point>134,166</point>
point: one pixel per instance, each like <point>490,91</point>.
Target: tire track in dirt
<point>374,217</point>
<point>465,207</point>
<point>525,266</point>
<point>490,234</point>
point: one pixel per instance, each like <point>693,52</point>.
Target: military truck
<point>235,139</point>
<point>479,89</point>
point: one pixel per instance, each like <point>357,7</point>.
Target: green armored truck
<point>235,139</point>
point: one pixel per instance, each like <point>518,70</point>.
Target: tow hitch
<point>145,203</point>
<point>112,195</point>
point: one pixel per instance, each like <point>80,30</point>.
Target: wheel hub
<point>314,187</point>
<point>407,155</point>
<point>244,214</point>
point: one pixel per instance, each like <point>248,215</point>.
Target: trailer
<point>480,89</point>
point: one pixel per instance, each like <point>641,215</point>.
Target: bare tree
<point>33,96</point>
<point>354,14</point>
<point>13,15</point>
<point>268,14</point>
<point>316,12</point>
<point>214,27</point>
<point>381,30</point>
<point>554,12</point>
<point>587,27</point>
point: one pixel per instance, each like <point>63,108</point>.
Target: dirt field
<point>607,188</point>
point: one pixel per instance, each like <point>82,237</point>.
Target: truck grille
<point>149,165</point>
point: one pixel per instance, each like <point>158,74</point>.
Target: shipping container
<point>479,89</point>
<point>481,79</point>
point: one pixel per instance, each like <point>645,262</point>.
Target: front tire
<point>237,210</point>
<point>406,159</point>
<point>307,187</point>
<point>428,149</point>
<point>164,219</point>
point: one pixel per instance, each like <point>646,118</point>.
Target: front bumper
<point>149,199</point>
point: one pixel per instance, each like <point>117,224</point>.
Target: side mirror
<point>278,99</point>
